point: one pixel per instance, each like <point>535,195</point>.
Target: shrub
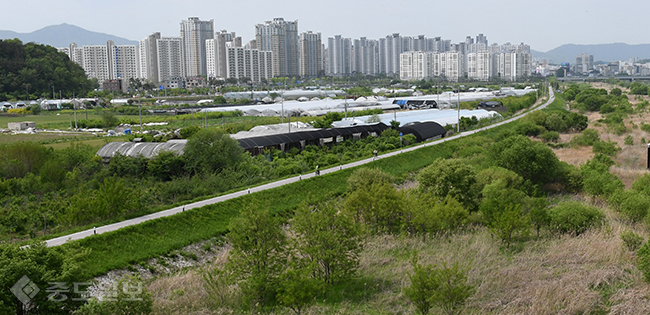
<point>550,136</point>
<point>532,160</point>
<point>587,138</point>
<point>19,111</point>
<point>450,177</point>
<point>631,240</point>
<point>606,108</point>
<point>642,184</point>
<point>635,206</point>
<point>529,129</point>
<point>574,217</point>
<point>643,260</point>
<point>445,287</point>
<point>629,140</point>
<point>606,147</point>
<point>365,177</point>
<point>597,180</point>
<point>554,122</point>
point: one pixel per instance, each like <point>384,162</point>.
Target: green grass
<point>49,120</point>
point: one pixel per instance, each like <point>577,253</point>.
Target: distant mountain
<point>64,34</point>
<point>602,52</point>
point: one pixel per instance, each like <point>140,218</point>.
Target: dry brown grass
<point>631,160</point>
<point>590,273</point>
<point>575,156</point>
<point>184,292</point>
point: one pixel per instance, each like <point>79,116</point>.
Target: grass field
<point>49,120</point>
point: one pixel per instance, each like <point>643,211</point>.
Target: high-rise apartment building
<point>169,56</point>
<point>123,63</point>
<point>365,56</point>
<point>453,65</point>
<point>149,57</point>
<point>194,33</point>
<point>281,38</point>
<point>514,65</point>
<point>390,54</point>
<point>311,55</point>
<point>479,65</point>
<point>415,65</point>
<point>339,55</point>
<point>248,63</point>
<point>96,62</point>
<point>216,52</point>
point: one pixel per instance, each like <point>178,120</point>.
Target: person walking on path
<point>375,154</point>
<point>317,170</point>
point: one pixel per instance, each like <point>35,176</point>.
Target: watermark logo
<point>25,289</point>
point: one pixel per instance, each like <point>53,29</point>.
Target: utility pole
<point>140,110</point>
<point>74,107</point>
<point>458,108</point>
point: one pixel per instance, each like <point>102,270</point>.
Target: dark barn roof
<point>424,130</point>
<point>271,140</point>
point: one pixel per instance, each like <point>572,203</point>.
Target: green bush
<point>642,184</point>
<point>635,206</point>
<point>529,129</point>
<point>574,217</point>
<point>451,177</point>
<point>606,108</point>
<point>606,147</point>
<point>629,140</point>
<point>643,260</point>
<point>597,180</point>
<point>444,287</point>
<point>587,138</point>
<point>532,160</point>
<point>631,240</point>
<point>550,136</point>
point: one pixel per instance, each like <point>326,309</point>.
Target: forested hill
<point>37,69</point>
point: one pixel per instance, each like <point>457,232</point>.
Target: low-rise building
<point>18,126</point>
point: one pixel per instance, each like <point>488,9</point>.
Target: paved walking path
<point>112,227</point>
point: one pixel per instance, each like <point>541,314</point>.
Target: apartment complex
<point>200,52</point>
<point>507,62</point>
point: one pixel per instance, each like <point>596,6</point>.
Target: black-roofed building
<point>424,131</point>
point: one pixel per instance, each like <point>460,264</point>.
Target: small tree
<point>257,255</point>
<point>509,224</point>
<point>329,240</point>
<point>422,287</point>
<point>450,177</point>
<point>298,289</point>
<point>444,287</point>
<point>211,150</point>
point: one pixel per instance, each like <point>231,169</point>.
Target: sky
<point>543,25</point>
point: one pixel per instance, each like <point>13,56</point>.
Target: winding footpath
<point>165,213</point>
